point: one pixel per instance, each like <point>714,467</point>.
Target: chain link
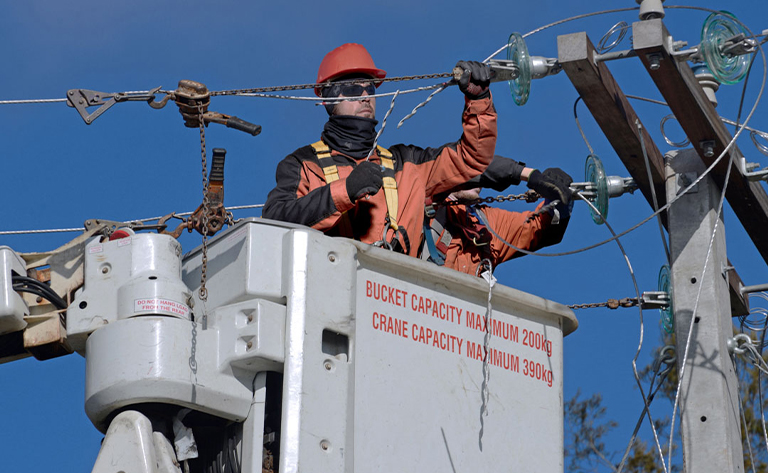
<point>203,275</point>
<point>282,88</point>
<point>528,196</point>
<point>610,303</point>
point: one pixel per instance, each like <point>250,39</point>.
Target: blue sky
<point>136,162</point>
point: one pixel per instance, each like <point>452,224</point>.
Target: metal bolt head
<point>104,270</point>
<point>708,146</point>
<point>328,365</point>
<point>249,345</point>
<point>332,258</point>
<point>250,318</point>
<point>325,445</point>
<point>654,62</point>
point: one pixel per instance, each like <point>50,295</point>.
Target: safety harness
<point>323,153</point>
<point>437,231</point>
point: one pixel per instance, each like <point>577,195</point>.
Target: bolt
<point>104,270</point>
<point>655,62</point>
<point>250,318</point>
<point>249,345</point>
<point>328,365</point>
<point>332,258</point>
<point>325,445</point>
<point>39,299</point>
<point>708,146</point>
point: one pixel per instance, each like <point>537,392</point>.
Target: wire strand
<point>646,404</point>
<point>142,220</point>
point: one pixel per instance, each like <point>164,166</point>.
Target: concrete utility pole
<point>709,399</point>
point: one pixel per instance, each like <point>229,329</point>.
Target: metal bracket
<point>81,99</point>
<point>739,45</point>
<point>654,300</point>
<point>544,66</point>
<point>685,179</point>
<point>749,171</point>
<point>503,69</point>
<point>616,185</point>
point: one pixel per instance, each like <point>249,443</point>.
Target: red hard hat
<point>350,58</point>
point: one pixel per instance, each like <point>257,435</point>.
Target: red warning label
<point>160,306</point>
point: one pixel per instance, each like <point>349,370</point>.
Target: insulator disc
<point>595,173</point>
<point>667,315</point>
<point>718,28</point>
<point>517,51</point>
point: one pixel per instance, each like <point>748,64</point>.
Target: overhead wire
<point>666,250</point>
<point>642,329</point>
<point>653,188</point>
<point>587,248</point>
<point>651,395</point>
<point>484,61</point>
<point>615,236</point>
<point>140,220</point>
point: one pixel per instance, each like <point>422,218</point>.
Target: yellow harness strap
<point>390,185</point>
<point>331,172</point>
<point>323,153</point>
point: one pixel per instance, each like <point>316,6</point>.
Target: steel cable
<point>642,330</point>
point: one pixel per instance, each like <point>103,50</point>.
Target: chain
<point>282,88</point>
<point>193,350</point>
<point>610,303</point>
<point>528,196</point>
<point>203,274</point>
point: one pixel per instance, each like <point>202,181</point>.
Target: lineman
<point>332,186</point>
<point>456,237</point>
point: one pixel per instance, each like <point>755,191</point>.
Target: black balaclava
<point>353,136</point>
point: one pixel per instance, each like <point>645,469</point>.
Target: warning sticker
<point>160,306</point>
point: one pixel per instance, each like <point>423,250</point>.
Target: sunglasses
<point>356,90</point>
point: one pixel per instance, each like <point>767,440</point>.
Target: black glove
<point>475,79</point>
<point>552,184</point>
<point>365,179</point>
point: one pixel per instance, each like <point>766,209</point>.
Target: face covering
<point>350,135</point>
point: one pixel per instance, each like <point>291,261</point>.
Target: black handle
<point>217,165</point>
<point>243,125</point>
